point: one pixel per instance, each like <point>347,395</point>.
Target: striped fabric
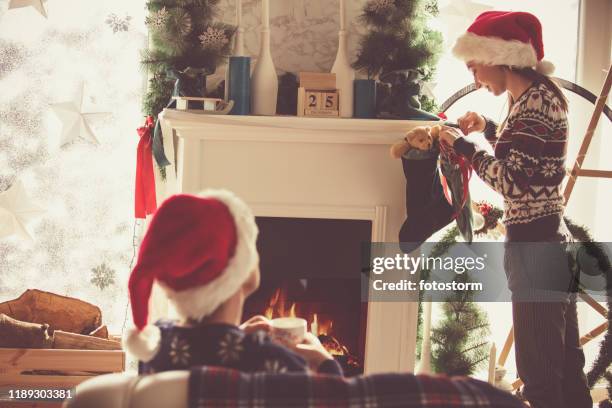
<point>219,387</point>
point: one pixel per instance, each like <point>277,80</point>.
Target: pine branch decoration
<point>176,28</point>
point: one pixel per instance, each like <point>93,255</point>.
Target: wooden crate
<point>79,365</point>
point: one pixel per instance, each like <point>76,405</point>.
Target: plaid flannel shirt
<point>218,387</point>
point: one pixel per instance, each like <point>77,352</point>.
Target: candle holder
<point>365,98</point>
<point>239,85</point>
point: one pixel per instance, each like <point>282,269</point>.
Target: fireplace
<point>310,268</point>
<point>325,171</point>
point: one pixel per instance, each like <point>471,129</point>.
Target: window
<point>85,189</point>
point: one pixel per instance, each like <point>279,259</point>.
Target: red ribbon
<point>145,200</point>
<point>448,153</point>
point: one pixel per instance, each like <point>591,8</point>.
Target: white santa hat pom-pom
<point>545,67</point>
<point>143,344</point>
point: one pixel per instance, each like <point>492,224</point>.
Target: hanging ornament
<point>37,4</point>
<point>117,23</point>
<point>378,6</point>
<point>74,120</point>
<point>490,219</point>
<point>157,19</point>
<point>184,24</point>
<point>16,211</point>
<point>213,39</point>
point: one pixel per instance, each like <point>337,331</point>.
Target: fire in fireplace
<point>310,269</point>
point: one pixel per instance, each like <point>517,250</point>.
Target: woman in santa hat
<point>504,51</point>
<point>201,250</point>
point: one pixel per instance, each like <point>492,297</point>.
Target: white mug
<point>288,331</point>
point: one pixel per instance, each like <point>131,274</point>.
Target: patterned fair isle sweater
<point>528,166</point>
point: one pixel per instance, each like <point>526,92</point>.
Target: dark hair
<point>539,78</point>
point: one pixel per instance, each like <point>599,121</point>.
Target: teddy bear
<point>421,138</point>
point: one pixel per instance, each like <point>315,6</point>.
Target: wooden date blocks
<point>317,95</point>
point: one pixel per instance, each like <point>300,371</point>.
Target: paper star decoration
<point>37,4</point>
<point>74,120</point>
<point>16,211</point>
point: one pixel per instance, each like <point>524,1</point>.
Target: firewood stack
<point>40,319</point>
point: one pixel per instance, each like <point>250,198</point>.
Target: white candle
<point>425,363</point>
<point>265,13</point>
<point>238,13</point>
<point>314,326</point>
<point>342,16</point>
<point>427,317</point>
<point>492,357</point>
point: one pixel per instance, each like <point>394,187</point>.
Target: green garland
<point>601,366</point>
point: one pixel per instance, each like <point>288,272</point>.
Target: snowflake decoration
<point>230,348</point>
<point>103,276</point>
<point>117,23</point>
<point>180,352</point>
<point>549,169</point>
<point>157,20</point>
<point>274,367</point>
<point>184,24</point>
<point>377,6</point>
<point>213,38</point>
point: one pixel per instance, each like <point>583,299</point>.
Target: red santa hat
<point>504,38</point>
<point>200,249</point>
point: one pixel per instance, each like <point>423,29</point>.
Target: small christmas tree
<point>399,40</point>
<point>185,46</point>
<point>459,345</point>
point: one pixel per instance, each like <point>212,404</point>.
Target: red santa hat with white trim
<point>504,38</point>
<point>200,249</point>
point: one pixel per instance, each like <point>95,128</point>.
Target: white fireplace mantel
<point>304,167</point>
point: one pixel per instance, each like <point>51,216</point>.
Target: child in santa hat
<point>201,251</point>
<point>504,51</point>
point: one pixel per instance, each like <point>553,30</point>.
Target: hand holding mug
<point>311,350</point>
<point>256,323</point>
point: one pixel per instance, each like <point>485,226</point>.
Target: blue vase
<point>239,86</point>
<point>365,98</point>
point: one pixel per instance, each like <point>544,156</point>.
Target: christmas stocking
<point>427,208</point>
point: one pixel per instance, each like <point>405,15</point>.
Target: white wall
<point>304,33</point>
